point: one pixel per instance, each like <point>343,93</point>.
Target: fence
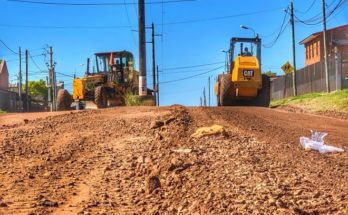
<point>8,101</point>
<point>312,78</point>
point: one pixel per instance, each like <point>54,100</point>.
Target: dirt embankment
<point>143,161</point>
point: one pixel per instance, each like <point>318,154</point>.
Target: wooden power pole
<point>209,91</point>
<point>293,48</point>
<point>26,82</point>
<point>142,48</point>
<point>20,80</point>
<point>325,48</point>
<point>157,87</point>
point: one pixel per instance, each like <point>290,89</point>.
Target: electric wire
<point>192,66</point>
<point>7,47</point>
<point>34,62</point>
<point>318,19</point>
<point>95,3</point>
<point>190,77</point>
<point>181,72</point>
<point>128,26</point>
<point>309,8</point>
<point>281,31</point>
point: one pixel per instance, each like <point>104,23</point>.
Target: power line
<point>317,19</point>
<point>129,23</point>
<point>12,60</point>
<point>185,71</point>
<point>34,62</point>
<point>65,27</point>
<point>129,26</point>
<point>309,8</point>
<point>281,31</point>
<point>192,76</point>
<point>193,66</point>
<point>95,4</point>
<point>6,46</point>
<point>222,17</point>
<point>66,75</point>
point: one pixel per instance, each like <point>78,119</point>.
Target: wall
<point>3,75</point>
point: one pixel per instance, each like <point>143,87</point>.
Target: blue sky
<point>183,44</point>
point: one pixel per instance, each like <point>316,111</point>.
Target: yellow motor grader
<point>243,83</point>
<point>114,77</point>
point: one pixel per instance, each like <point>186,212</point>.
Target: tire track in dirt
<point>99,162</point>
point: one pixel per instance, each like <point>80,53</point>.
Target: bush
<point>132,100</point>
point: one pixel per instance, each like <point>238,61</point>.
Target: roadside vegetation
<point>1,111</point>
<point>317,102</point>
<point>131,100</point>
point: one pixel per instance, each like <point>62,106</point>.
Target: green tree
<point>270,73</point>
<point>37,89</point>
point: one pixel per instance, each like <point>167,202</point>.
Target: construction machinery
<point>114,78</point>
<point>243,83</point>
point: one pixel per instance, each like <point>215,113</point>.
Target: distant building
<point>3,75</point>
<point>314,46</point>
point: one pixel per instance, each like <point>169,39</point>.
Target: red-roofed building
<point>314,46</point>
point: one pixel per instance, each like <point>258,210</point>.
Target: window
<point>312,51</point>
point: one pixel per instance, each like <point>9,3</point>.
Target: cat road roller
<point>113,78</point>
<point>243,83</point>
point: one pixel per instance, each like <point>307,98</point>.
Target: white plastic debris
<point>316,142</point>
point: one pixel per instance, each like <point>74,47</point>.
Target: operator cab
<point>117,65</point>
<point>244,47</point>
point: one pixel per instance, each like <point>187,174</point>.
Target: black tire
<point>264,95</point>
<point>100,97</point>
<point>63,100</point>
<point>227,95</point>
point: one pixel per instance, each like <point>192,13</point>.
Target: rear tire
<point>63,100</point>
<point>100,97</point>
<point>227,95</point>
<point>264,96</point>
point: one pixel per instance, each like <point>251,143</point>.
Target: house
<point>3,75</point>
<point>314,46</point>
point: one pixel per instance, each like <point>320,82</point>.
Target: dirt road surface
<point>143,161</point>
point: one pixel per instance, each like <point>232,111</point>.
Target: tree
<point>37,89</point>
<point>270,74</point>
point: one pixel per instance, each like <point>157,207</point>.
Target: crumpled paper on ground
<point>205,131</point>
<point>316,142</point>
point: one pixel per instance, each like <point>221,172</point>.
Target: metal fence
<point>312,78</point>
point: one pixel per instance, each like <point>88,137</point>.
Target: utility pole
<point>50,79</point>
<point>153,58</point>
<point>293,48</point>
<point>157,87</point>
<point>201,101</point>
<point>204,98</point>
<point>209,91</point>
<point>26,82</point>
<point>142,48</point>
<point>325,48</point>
<point>20,80</point>
<point>154,85</point>
<point>87,67</point>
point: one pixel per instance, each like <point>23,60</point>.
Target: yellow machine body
<point>80,85</point>
<point>243,83</point>
<point>246,76</point>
